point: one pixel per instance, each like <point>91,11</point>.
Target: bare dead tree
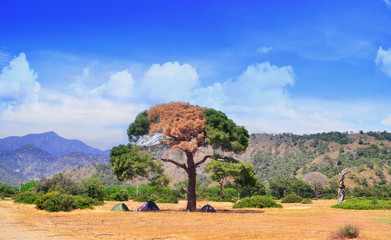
<point>341,186</point>
<point>316,180</point>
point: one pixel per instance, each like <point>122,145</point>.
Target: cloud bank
<point>99,113</point>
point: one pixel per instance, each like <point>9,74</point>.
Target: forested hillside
<point>367,155</point>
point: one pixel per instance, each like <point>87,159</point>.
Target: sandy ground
<point>294,221</point>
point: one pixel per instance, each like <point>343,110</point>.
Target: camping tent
<point>207,208</point>
<point>149,206</point>
<point>120,207</point>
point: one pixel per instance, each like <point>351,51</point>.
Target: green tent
<point>120,207</point>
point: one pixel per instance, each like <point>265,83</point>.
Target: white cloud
<point>383,60</point>
<point>386,121</point>
<point>18,82</point>
<point>169,82</point>
<point>120,86</point>
<point>264,50</point>
<point>258,98</point>
<point>388,3</point>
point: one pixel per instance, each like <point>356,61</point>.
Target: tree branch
<point>203,160</point>
<point>182,165</point>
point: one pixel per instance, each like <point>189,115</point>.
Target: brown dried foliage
<point>182,123</point>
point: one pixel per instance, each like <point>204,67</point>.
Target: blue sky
<point>84,69</point>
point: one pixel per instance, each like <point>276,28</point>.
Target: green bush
<point>55,202</point>
<point>141,198</point>
<point>167,199</point>
<point>93,201</point>
<point>257,202</point>
<point>121,195</point>
<point>25,197</point>
<point>292,198</point>
<point>95,188</point>
<point>349,231</point>
<point>6,191</point>
<point>364,204</point>
<point>306,201</point>
<point>82,203</point>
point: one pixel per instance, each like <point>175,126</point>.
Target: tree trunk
<point>221,190</point>
<point>341,186</point>
<point>191,188</point>
<point>316,191</point>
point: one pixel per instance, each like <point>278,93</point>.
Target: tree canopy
<point>185,128</point>
<point>128,162</point>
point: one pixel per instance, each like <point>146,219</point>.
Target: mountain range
<point>35,156</point>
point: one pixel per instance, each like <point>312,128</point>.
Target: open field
<point>294,221</point>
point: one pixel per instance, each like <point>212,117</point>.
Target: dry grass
<point>294,221</point>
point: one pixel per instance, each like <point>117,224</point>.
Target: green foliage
<point>306,201</point>
<point>349,231</point>
<point>122,195</point>
<point>364,204</point>
<point>223,132</point>
<point>140,126</point>
<point>27,197</point>
<point>246,181</point>
<point>338,137</point>
<point>82,203</point>
<point>282,187</point>
<point>257,202</point>
<point>292,198</point>
<point>61,184</point>
<point>56,202</point>
<point>167,199</point>
<point>128,163</point>
<point>94,188</point>
<point>111,190</point>
<point>221,170</point>
<point>6,191</point>
<point>142,198</point>
<point>160,180</point>
<point>28,186</point>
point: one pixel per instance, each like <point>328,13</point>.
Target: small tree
<point>316,180</point>
<point>220,171</point>
<point>95,188</point>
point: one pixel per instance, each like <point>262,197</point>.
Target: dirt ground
<point>294,221</point>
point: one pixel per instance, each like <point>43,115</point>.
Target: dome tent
<point>207,208</point>
<point>121,207</point>
<point>149,206</point>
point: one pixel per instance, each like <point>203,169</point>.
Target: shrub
<point>121,195</point>
<point>292,198</point>
<point>25,197</point>
<point>95,188</point>
<point>55,202</point>
<point>60,183</point>
<point>364,204</point>
<point>257,202</point>
<point>82,203</point>
<point>167,199</point>
<point>306,201</point>
<point>349,231</point>
<point>141,198</point>
<point>6,191</point>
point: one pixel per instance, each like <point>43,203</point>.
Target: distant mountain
<point>31,162</point>
<point>35,156</point>
<point>49,142</point>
